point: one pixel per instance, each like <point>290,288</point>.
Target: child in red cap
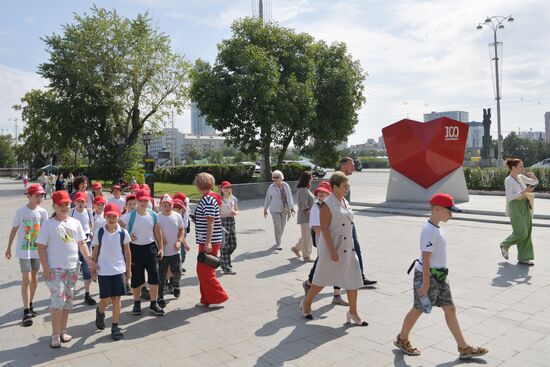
<point>117,198</point>
<point>99,207</point>
<point>26,225</point>
<point>430,285</point>
<point>59,241</point>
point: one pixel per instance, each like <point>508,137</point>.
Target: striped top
<point>208,207</point>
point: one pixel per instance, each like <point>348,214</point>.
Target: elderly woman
<point>305,203</point>
<point>337,264</point>
<point>208,234</point>
<point>280,203</point>
<point>518,187</point>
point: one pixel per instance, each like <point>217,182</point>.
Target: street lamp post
<point>495,23</point>
<point>146,141</point>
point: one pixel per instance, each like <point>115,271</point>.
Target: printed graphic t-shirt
<point>432,239</point>
<point>61,239</point>
<point>29,222</point>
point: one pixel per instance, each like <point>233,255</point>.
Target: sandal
<point>65,338</point>
<point>471,352</point>
<point>55,342</point>
<point>27,319</point>
<point>405,346</point>
<point>116,334</point>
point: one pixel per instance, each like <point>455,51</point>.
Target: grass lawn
<point>191,191</point>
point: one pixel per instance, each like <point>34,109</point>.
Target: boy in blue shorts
<point>431,287</point>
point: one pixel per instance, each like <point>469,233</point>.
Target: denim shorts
<point>27,265</point>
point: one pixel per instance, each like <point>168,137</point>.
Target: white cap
<point>166,198</point>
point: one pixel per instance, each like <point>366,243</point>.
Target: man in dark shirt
<point>347,166</point>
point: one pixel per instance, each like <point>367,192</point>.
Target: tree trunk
<point>284,148</point>
<point>267,163</point>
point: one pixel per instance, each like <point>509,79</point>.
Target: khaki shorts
<point>27,265</point>
<point>439,292</point>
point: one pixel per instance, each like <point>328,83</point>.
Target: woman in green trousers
<point>518,207</point>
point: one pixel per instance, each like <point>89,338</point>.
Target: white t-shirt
<point>111,257</point>
<point>432,240</point>
<point>84,218</point>
<point>315,215</point>
<point>143,228</point>
<point>29,222</point>
<point>227,206</point>
<point>120,202</point>
<point>99,221</point>
<point>170,226</point>
<point>61,239</point>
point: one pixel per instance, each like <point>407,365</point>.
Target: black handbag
<point>208,259</point>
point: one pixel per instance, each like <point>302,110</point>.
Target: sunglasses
<point>275,178</point>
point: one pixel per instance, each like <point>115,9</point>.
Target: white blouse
<point>514,187</point>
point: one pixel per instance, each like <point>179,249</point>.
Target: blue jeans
<point>357,250</point>
<point>86,274</point>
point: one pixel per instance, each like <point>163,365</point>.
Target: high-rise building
<point>199,125</point>
<point>461,116</point>
<point>475,135</point>
<point>381,142</point>
<point>547,126</point>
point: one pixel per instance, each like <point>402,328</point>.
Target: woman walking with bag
<point>208,234</point>
<point>306,201</point>
<point>519,188</point>
<point>280,203</point>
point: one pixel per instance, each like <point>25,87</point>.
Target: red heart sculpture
<point>426,152</point>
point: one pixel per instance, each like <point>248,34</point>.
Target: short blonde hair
<point>204,181</point>
<point>278,173</point>
<point>337,179</point>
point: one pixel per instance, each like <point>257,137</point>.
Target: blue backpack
<point>133,219</point>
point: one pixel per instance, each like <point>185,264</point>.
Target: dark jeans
<point>357,248</point>
<point>174,263</point>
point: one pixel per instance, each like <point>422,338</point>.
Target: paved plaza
<point>502,306</point>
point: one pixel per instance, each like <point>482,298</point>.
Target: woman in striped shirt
<point>208,233</point>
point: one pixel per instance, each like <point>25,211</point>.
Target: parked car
<point>257,168</point>
<point>358,165</point>
<point>317,171</point>
<point>545,163</point>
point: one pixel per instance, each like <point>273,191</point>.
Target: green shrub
<point>235,173</point>
<point>291,171</point>
<point>493,178</point>
<point>374,162</point>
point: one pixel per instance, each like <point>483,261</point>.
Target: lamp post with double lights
<point>496,23</point>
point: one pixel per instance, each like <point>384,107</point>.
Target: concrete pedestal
<point>488,162</point>
<point>401,188</point>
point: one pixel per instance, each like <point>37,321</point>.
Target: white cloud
<point>15,83</point>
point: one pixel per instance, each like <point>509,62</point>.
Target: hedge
<point>235,173</point>
<point>374,162</point>
<point>493,178</point>
<point>291,171</point>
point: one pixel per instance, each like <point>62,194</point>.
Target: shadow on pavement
<point>293,264</point>
<point>459,362</point>
<point>255,255</point>
<point>294,346</point>
<point>509,274</point>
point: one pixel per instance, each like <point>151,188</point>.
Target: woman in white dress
<point>337,264</point>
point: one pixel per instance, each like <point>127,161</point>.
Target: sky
<point>420,56</point>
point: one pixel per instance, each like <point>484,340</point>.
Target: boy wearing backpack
<point>86,219</point>
<point>146,248</point>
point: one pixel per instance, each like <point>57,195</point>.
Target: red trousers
<point>211,290</point>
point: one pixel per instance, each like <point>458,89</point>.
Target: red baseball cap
<point>143,195</point>
<point>323,186</point>
<point>180,195</point>
<point>97,186</point>
<point>178,203</point>
<point>60,197</point>
<point>225,184</point>
<point>112,209</point>
<point>115,187</point>
<point>134,187</point>
<point>445,200</point>
<point>99,199</point>
<point>35,189</point>
<point>166,198</point>
<point>145,186</point>
<point>130,197</point>
<point>80,195</point>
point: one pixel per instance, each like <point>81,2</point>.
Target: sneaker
<point>155,309</point>
<point>116,334</point>
<point>528,263</point>
<point>339,301</point>
<point>145,293</point>
<point>367,282</point>
<point>99,319</point>
<point>279,248</point>
<point>229,272</point>
<point>161,302</point>
<point>199,304</point>
<point>504,252</point>
<point>177,292</point>
<point>306,288</point>
<point>89,300</point>
<point>137,309</point>
<point>214,305</point>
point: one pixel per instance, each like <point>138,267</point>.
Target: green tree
<point>267,86</point>
<point>7,154</point>
<point>111,76</point>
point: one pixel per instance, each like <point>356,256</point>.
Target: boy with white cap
<point>173,234</point>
